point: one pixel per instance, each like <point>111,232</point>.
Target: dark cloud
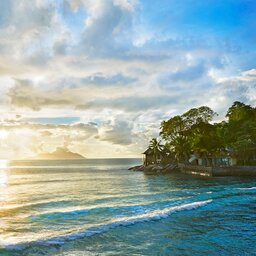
<point>118,133</point>
<point>134,103</point>
<point>85,130</point>
<point>24,94</point>
<point>46,133</point>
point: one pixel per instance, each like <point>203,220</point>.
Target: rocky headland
<point>155,168</point>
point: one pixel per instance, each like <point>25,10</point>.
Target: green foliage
<point>240,112</point>
<point>193,132</point>
<point>198,115</point>
<point>205,139</point>
<point>241,130</point>
<point>184,133</point>
<point>156,147</point>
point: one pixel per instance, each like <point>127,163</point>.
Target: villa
<point>226,157</point>
<point>163,156</point>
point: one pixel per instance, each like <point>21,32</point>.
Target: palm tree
<point>156,148</point>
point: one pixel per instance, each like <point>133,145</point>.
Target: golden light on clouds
<point>97,77</point>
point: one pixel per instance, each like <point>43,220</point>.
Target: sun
<point>3,134</point>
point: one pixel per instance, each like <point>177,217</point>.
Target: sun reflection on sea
<point>3,172</point>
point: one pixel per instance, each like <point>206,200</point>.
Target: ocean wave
<point>54,208</point>
<point>34,182</point>
<point>251,188</point>
<point>40,203</point>
<point>133,208</point>
<point>101,228</point>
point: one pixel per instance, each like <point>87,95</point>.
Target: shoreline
<point>209,171</point>
<point>156,168</point>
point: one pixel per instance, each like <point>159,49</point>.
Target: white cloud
<point>103,62</point>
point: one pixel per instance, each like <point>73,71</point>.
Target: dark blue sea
<point>98,207</point>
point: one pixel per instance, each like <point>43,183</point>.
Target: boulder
<point>138,168</point>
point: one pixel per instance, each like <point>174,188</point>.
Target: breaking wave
<point>101,228</point>
<point>251,188</point>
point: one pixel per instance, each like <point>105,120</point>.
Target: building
<point>161,157</point>
<point>226,157</point>
<point>149,157</point>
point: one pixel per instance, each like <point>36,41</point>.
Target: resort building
<point>226,157</point>
<point>151,157</point>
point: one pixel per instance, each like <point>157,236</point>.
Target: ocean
<point>99,207</point>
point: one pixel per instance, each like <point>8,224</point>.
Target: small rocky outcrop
<point>155,168</point>
<point>137,168</point>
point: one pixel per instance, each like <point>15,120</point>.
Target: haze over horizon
<point>97,77</point>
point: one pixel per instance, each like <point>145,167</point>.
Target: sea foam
<point>251,188</point>
<point>98,229</point>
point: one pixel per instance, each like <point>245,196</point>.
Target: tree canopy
<point>194,131</point>
<point>185,133</point>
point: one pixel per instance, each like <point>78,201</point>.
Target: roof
<point>148,152</point>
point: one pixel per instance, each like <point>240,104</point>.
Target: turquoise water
<point>98,207</point>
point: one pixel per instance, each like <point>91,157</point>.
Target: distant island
<point>59,154</point>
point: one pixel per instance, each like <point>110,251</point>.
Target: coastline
<point>210,171</point>
<point>155,168</point>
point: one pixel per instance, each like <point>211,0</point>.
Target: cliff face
<point>59,153</point>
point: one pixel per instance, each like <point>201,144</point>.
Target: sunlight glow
<point>3,134</point>
<point>3,172</point>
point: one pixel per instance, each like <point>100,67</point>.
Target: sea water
<point>99,207</point>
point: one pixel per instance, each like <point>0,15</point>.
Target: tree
<point>193,132</point>
<point>199,115</point>
<point>205,140</point>
<point>240,112</point>
<point>180,131</point>
<point>241,130</point>
<point>156,147</point>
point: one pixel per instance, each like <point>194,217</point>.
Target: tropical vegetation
<point>195,131</point>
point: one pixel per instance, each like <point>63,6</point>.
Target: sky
<point>97,77</point>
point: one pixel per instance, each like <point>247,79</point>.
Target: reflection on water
<point>3,172</point>
<point>100,206</point>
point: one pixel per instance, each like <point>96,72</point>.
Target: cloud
<point>119,67</point>
<point>101,79</point>
<point>106,27</point>
<point>191,73</point>
<point>26,94</point>
<point>131,104</point>
<point>119,132</point>
<point>23,94</point>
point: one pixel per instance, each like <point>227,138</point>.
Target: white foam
<point>78,209</point>
<point>247,188</point>
<point>127,221</point>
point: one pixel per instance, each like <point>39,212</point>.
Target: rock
<point>138,168</point>
<point>149,169</point>
<point>155,169</point>
<point>170,168</point>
